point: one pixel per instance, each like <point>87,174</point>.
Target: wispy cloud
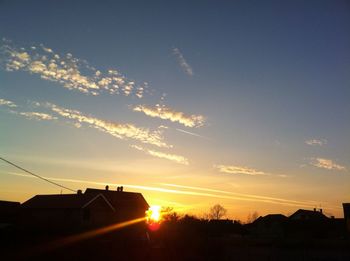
<point>71,72</point>
<point>317,142</point>
<point>118,130</point>
<point>182,62</point>
<point>239,170</point>
<point>326,164</point>
<point>37,115</point>
<point>166,113</point>
<point>14,109</point>
<point>173,157</point>
<point>7,103</point>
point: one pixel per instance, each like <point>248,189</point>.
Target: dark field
<point>170,243</point>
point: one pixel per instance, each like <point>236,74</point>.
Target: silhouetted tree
<point>217,212</point>
<point>252,217</point>
<point>169,215</point>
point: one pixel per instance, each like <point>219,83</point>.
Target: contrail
<point>193,134</point>
<point>211,193</point>
<point>250,196</point>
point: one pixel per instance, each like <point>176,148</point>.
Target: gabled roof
<point>271,218</point>
<point>308,214</point>
<point>120,199</point>
<point>65,201</point>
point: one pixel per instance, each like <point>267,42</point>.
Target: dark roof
<point>9,204</point>
<point>121,198</point>
<point>66,201</point>
<point>271,218</point>
<point>309,214</point>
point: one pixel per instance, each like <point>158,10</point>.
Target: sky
<point>191,103</point>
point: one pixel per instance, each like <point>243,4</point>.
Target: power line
<point>36,175</point>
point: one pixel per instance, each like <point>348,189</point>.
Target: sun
<point>153,214</point>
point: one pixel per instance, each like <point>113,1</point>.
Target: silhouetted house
<point>272,225</point>
<point>308,224</point>
<point>67,211</point>
<point>128,205</point>
<point>303,214</point>
<point>346,208</point>
<point>8,212</point>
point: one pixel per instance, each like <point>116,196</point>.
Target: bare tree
<point>217,212</point>
<point>169,214</point>
<point>252,217</point>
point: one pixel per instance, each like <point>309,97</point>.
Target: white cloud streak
<point>7,103</point>
<point>172,157</point>
<point>182,62</point>
<point>118,130</point>
<point>316,142</point>
<point>239,170</point>
<point>166,113</point>
<point>37,115</point>
<point>326,164</point>
<point>71,72</point>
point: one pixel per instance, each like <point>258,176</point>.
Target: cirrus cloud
<point>231,169</point>
<point>317,142</point>
<point>182,62</point>
<point>172,157</point>
<point>37,115</point>
<point>7,103</point>
<point>166,113</point>
<point>326,164</point>
<point>71,72</point>
<point>118,130</point>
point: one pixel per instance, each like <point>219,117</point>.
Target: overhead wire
<point>36,175</point>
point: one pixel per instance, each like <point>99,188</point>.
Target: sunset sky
<point>191,103</point>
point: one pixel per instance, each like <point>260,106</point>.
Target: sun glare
<point>153,214</point>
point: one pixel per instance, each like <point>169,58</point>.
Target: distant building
<point>308,224</point>
<point>346,208</point>
<point>303,214</point>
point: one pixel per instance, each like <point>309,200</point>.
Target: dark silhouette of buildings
<point>346,208</point>
<point>272,225</point>
<point>93,208</point>
<point>302,224</point>
<point>8,211</point>
<point>127,205</point>
<point>303,214</point>
<point>67,210</point>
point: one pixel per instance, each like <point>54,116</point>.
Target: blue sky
<point>253,98</point>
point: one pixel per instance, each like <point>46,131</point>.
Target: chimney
<point>314,209</point>
<point>321,210</point>
<point>121,188</point>
<point>118,188</point>
<point>107,187</point>
<point>79,192</point>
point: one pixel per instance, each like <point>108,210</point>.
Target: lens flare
<point>153,214</point>
<point>154,217</point>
